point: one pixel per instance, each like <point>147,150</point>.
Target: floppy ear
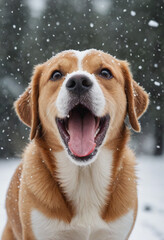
<point>137,98</point>
<point>26,105</point>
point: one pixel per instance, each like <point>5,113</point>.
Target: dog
<point>77,179</point>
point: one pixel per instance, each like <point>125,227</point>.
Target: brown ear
<point>26,105</point>
<point>137,98</point>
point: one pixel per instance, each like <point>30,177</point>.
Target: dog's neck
<point>87,185</point>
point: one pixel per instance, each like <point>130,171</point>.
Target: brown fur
<point>137,98</point>
<point>35,183</point>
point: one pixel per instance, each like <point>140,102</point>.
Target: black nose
<point>79,84</point>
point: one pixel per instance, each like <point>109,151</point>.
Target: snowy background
<point>33,31</point>
<point>150,220</point>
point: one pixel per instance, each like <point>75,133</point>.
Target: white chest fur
<point>87,188</point>
<point>51,229</point>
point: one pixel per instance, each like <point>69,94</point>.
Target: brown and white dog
<point>77,179</point>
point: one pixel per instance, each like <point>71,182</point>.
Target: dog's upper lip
<point>82,132</point>
<point>75,102</point>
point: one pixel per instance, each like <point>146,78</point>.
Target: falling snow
<point>127,29</point>
<point>153,23</point>
<point>133,13</point>
<point>157,83</point>
<point>158,107</point>
<point>91,25</point>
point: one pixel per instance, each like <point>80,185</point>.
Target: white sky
<point>102,7</point>
<point>36,6</point>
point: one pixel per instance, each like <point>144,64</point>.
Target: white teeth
<point>68,116</point>
<point>97,131</point>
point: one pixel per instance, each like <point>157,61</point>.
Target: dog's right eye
<point>56,75</point>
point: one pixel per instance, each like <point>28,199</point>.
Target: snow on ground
<point>150,220</point>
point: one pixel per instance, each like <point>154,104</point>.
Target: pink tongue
<point>82,132</point>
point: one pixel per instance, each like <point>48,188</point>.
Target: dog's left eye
<point>56,75</point>
<point>105,73</point>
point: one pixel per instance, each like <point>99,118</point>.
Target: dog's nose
<point>79,84</point>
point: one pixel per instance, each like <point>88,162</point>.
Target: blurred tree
<point>137,38</point>
<point>66,25</point>
<point>14,25</point>
<point>122,28</point>
<point>55,28</point>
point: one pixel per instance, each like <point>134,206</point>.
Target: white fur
<point>53,229</point>
<point>95,93</point>
<point>87,184</point>
<point>87,188</point>
<point>82,163</point>
<point>120,228</point>
<point>95,96</point>
<point>97,101</point>
<point>80,56</point>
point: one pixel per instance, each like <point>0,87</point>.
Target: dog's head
<point>81,99</point>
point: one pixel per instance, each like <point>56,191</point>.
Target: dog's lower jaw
<point>83,162</point>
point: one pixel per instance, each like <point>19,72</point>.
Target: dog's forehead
<point>82,58</point>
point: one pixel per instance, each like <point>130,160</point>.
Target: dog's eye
<point>56,75</point>
<point>105,73</point>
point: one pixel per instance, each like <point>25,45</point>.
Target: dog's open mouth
<point>82,132</point>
